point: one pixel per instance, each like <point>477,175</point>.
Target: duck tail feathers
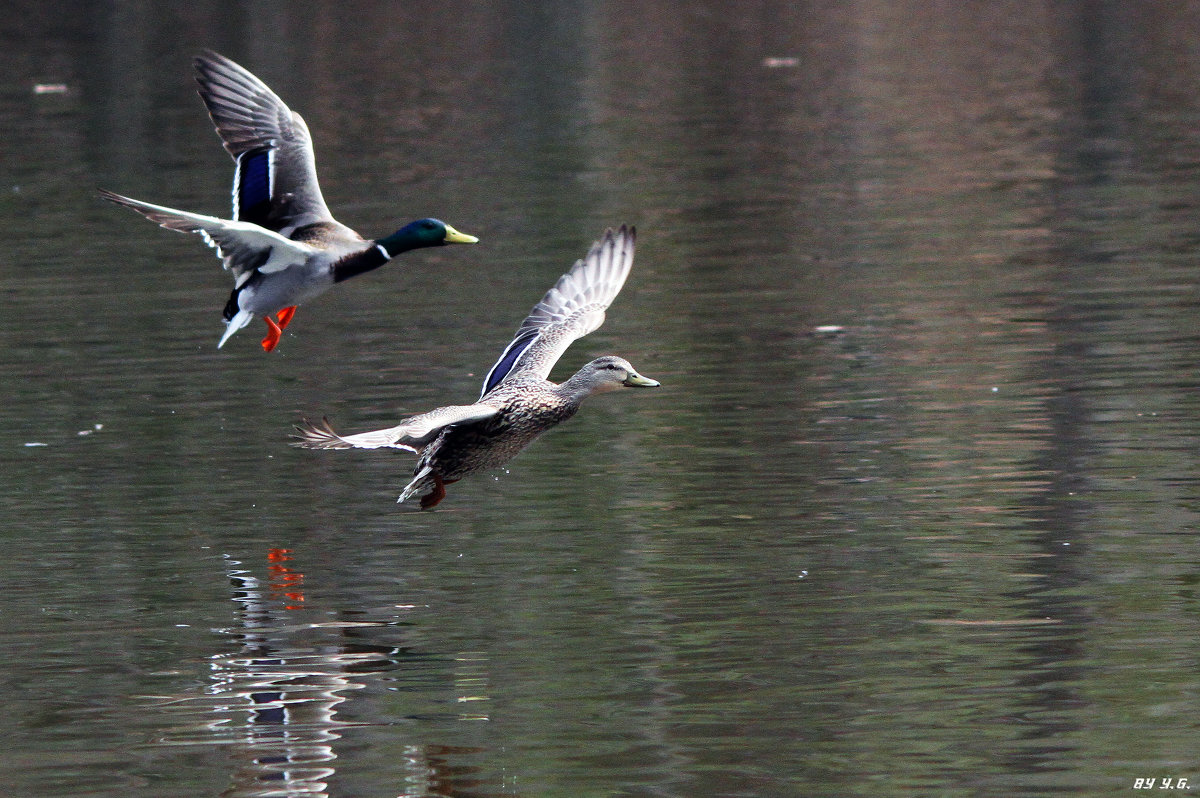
<point>237,322</point>
<point>418,484</point>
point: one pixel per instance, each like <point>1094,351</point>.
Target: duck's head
<point>609,373</point>
<point>423,233</point>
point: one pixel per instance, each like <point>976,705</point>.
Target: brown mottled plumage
<point>518,402</point>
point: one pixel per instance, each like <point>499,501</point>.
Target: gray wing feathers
<point>575,305</point>
<point>322,436</point>
<point>411,434</point>
<point>249,116</point>
<point>242,246</point>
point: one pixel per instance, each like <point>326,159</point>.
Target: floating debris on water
<point>49,88</point>
<point>828,330</point>
<point>778,61</point>
<point>35,443</point>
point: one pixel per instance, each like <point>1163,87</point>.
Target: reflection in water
<point>987,480</point>
<point>275,701</point>
<point>285,581</point>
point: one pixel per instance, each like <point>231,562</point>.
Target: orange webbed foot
<point>431,499</point>
<point>273,333</point>
<point>285,316</point>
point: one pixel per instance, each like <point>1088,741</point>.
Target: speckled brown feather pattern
<point>527,409</point>
<point>518,402</point>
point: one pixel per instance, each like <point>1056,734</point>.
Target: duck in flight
<point>518,402</point>
<point>282,245</point>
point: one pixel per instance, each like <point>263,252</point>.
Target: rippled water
<point>913,513</point>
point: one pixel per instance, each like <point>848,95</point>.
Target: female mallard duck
<point>518,403</point>
<point>282,245</point>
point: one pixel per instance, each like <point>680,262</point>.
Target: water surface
<point>943,549</point>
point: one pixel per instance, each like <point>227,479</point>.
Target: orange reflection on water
<point>284,581</point>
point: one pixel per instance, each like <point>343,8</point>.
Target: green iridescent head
<point>423,233</point>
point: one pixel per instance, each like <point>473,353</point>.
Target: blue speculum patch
<point>508,359</point>
<point>254,186</point>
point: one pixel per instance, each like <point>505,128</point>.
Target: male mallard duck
<point>518,403</point>
<point>282,245</point>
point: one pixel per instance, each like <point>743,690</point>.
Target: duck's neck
<point>575,390</point>
<point>361,262</point>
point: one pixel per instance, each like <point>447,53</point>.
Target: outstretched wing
<point>411,434</point>
<point>570,310</point>
<point>275,184</point>
<point>242,246</point>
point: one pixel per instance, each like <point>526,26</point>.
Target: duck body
<point>525,410</point>
<point>518,403</point>
<point>264,294</point>
<point>297,281</point>
<point>333,259</point>
<point>282,244</point>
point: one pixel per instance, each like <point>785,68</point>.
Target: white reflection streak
<point>274,704</point>
<point>419,776</point>
<point>289,703</point>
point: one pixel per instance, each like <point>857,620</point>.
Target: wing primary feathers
<point>573,307</point>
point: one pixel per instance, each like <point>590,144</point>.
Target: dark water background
<point>949,550</point>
